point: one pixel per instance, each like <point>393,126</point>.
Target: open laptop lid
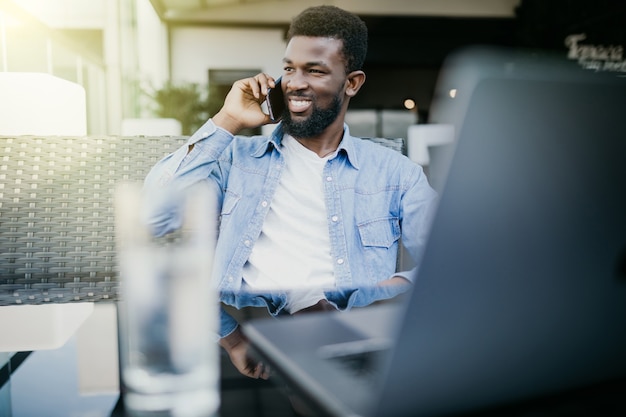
<point>522,289</point>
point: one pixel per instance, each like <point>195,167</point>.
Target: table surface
<point>47,383</point>
<point>80,380</point>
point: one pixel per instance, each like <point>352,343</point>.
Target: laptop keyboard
<point>364,365</point>
<point>362,358</point>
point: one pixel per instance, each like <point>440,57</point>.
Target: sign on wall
<point>596,57</point>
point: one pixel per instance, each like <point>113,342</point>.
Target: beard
<point>315,124</point>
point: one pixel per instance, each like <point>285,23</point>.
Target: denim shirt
<point>375,197</point>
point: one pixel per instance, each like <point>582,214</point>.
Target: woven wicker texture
<point>397,144</point>
<point>57,240</point>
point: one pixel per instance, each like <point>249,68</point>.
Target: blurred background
<point>129,67</point>
<point>140,60</point>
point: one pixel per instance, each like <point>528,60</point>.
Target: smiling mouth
<point>299,105</point>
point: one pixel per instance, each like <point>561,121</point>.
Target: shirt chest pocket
<point>229,204</point>
<point>380,232</point>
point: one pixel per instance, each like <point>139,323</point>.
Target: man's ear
<point>355,81</point>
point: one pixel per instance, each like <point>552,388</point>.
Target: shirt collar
<point>346,145</point>
<point>274,139</point>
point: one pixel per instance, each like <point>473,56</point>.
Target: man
<point>311,216</point>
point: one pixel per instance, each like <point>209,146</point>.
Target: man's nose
<point>297,81</point>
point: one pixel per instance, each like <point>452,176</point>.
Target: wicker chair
<point>57,241</point>
<point>57,238</point>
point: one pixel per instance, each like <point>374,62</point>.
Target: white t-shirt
<point>292,253</point>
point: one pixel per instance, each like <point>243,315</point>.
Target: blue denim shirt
<point>375,198</point>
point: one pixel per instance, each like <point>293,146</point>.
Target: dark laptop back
<point>522,289</point>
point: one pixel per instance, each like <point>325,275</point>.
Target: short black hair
<point>336,23</point>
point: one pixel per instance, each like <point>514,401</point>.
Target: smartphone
<point>275,101</point>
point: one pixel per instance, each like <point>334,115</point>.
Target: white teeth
<point>299,103</point>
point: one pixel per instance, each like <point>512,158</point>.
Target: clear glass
<point>169,310</point>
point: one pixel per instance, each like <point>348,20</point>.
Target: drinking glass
<point>168,313</point>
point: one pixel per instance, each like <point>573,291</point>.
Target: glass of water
<point>168,313</point>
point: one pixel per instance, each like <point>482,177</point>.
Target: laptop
<point>521,293</point>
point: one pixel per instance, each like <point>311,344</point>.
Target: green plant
<point>185,102</point>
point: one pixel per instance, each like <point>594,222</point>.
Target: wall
<point>195,50</point>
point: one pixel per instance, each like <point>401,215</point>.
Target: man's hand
<point>238,346</point>
<point>242,107</point>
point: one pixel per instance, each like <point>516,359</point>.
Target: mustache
<point>300,94</point>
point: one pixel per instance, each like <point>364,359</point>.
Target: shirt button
<point>329,178</point>
<point>247,243</point>
<point>230,279</point>
<point>334,218</point>
<point>264,204</point>
<point>205,134</point>
<point>340,261</point>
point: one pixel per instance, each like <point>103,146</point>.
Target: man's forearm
<point>232,340</point>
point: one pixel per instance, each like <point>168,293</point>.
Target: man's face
<point>314,82</point>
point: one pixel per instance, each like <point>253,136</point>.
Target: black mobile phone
<point>275,101</point>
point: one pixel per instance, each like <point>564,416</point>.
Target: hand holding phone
<point>275,101</point>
